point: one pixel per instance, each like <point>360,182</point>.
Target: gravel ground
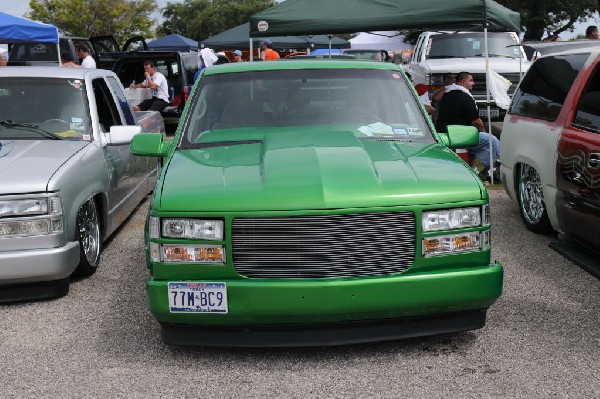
<point>541,340</point>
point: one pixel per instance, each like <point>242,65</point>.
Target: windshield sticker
<point>39,49</point>
<point>4,92</point>
<point>77,123</point>
<point>76,84</point>
<point>412,131</point>
<point>377,128</point>
<point>401,131</point>
<point>395,76</point>
<point>86,137</point>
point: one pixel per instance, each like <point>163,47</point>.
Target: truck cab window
<point>108,115</point>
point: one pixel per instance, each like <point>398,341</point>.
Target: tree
<point>200,19</point>
<point>119,18</point>
<point>556,16</point>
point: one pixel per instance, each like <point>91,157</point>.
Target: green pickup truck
<point>312,203</point>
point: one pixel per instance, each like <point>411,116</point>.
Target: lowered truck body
<point>67,178</point>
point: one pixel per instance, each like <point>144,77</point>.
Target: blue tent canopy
<point>14,30</point>
<point>173,42</point>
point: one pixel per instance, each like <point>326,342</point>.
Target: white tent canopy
<point>380,40</point>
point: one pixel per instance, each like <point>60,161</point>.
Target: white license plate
<point>494,112</point>
<point>186,297</point>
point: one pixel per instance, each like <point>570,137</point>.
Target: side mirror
<point>122,134</point>
<point>462,136</point>
<point>150,145</point>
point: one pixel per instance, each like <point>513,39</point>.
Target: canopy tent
<point>173,42</point>
<point>14,30</point>
<point>239,37</point>
<point>380,40</point>
<point>299,17</point>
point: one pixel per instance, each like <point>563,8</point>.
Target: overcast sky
<point>20,7</point>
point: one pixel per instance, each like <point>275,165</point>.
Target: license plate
<point>186,297</point>
<point>494,112</point>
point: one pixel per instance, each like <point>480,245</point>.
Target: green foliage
<point>120,18</point>
<point>556,16</point>
<point>200,19</point>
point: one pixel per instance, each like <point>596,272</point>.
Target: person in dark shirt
<point>458,107</point>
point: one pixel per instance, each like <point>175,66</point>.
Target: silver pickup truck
<point>67,178</point>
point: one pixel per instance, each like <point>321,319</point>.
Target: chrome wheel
<point>531,200</point>
<point>88,231</point>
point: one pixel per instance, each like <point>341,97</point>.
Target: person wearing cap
<point>237,56</point>
<point>267,53</point>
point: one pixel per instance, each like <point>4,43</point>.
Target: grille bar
<point>328,246</point>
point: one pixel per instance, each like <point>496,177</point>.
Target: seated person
<point>458,107</point>
<point>159,88</point>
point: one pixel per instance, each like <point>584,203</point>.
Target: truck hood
<point>315,170</point>
<point>27,165</point>
<point>477,65</point>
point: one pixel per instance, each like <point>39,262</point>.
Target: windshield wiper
<point>444,56</point>
<point>30,127</point>
<point>493,55</point>
<point>197,146</point>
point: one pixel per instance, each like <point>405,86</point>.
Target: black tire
<point>531,201</point>
<point>89,237</point>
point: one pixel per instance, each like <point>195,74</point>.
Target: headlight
<point>24,207</point>
<point>205,254</point>
<point>448,219</point>
<point>443,245</point>
<point>30,215</point>
<point>193,228</point>
<point>18,228</point>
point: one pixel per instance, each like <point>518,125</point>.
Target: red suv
<point>550,151</point>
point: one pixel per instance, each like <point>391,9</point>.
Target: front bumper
<point>31,266</point>
<point>256,304</point>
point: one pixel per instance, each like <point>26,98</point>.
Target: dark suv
<point>37,53</point>
<point>178,67</point>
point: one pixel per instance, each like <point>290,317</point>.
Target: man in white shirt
<point>159,88</point>
<point>84,53</point>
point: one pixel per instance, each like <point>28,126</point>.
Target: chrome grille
<point>328,246</point>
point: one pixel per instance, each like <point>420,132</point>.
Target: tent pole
<point>487,95</point>
<point>251,50</point>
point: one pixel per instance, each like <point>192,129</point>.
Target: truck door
<point>578,167</point>
<point>125,174</point>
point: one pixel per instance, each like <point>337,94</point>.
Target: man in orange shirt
<point>267,53</point>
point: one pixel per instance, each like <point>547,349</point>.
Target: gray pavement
<point>542,340</point>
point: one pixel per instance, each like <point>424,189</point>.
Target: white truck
<point>67,177</point>
<point>437,53</point>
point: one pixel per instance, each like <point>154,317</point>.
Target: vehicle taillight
<point>186,93</point>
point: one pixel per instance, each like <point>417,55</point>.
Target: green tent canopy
<point>300,17</point>
<point>239,37</point>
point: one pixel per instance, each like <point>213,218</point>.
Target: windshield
<point>43,109</point>
<point>472,44</point>
<point>375,55</point>
<point>375,104</point>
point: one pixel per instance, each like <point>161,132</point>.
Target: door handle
<point>594,160</point>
